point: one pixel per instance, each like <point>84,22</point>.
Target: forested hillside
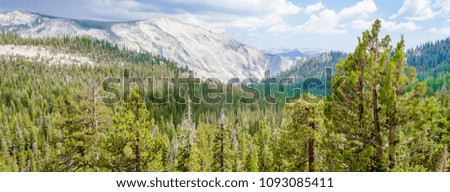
<point>432,61</point>
<point>379,118</point>
<point>314,66</point>
<point>431,57</point>
<point>53,117</point>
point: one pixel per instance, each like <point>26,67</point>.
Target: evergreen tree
<point>84,131</point>
<point>52,117</point>
<point>187,154</point>
<point>205,135</point>
<point>266,146</point>
<point>252,158</point>
<point>133,143</point>
<point>367,126</point>
<point>301,136</point>
<point>222,152</point>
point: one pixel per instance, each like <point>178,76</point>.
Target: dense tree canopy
<point>380,118</point>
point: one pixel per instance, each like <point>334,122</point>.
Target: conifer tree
<point>205,135</point>
<point>84,131</point>
<point>222,152</point>
<point>301,136</point>
<point>266,146</point>
<point>368,124</point>
<point>252,157</point>
<point>133,144</point>
<point>187,154</point>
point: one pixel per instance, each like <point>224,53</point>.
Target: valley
<point>388,110</point>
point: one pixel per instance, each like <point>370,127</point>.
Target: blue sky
<point>326,24</point>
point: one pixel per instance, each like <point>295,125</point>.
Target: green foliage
<point>298,147</point>
<point>222,151</point>
<point>430,57</point>
<point>134,143</point>
<point>52,117</point>
<point>382,121</point>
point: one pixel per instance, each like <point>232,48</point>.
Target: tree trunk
<point>361,95</point>
<point>392,142</point>
<point>222,153</point>
<point>377,132</point>
<point>311,150</point>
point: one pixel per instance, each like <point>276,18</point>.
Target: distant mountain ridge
<point>209,54</point>
<point>313,66</point>
<point>297,53</point>
<point>430,56</point>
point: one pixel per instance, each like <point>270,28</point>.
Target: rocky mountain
<point>209,54</point>
<point>297,53</point>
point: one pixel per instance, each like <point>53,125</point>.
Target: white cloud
<point>255,16</point>
<point>443,6</point>
<point>127,4</point>
<point>361,9</point>
<point>281,28</point>
<point>310,9</point>
<point>250,15</point>
<point>415,10</point>
<point>253,23</point>
<point>443,31</point>
<point>402,26</point>
<point>259,7</point>
<point>326,22</point>
<point>115,9</point>
<point>361,24</point>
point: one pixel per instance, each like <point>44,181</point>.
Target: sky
<point>271,24</point>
